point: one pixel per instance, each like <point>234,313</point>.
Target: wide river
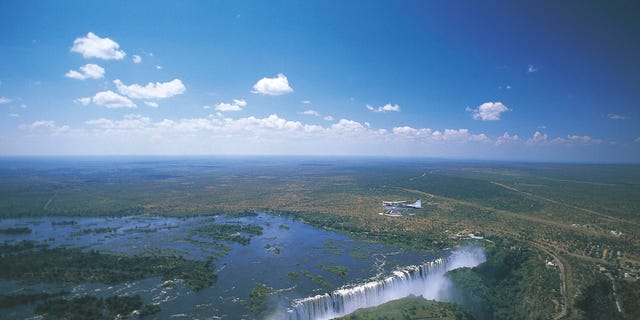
<point>290,256</point>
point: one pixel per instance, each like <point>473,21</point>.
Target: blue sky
<point>544,81</point>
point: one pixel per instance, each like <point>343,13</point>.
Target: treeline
<point>12,300</point>
<point>15,231</point>
<point>352,226</point>
<point>28,262</point>
<point>229,232</point>
<point>513,283</point>
<point>411,308</point>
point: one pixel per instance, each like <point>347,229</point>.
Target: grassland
<point>579,220</point>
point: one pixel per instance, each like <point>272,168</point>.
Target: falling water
<point>427,280</point>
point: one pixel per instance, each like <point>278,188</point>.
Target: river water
<point>303,255</point>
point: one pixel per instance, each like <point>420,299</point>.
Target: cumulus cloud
<point>387,107</point>
<point>328,118</point>
<point>158,90</point>
<point>83,101</point>
<point>88,71</point>
<point>538,139</point>
<point>488,111</point>
<point>151,104</point>
<point>273,86</point>
<point>311,113</point>
<point>4,100</point>
<point>531,69</point>
<point>236,105</point>
<point>46,126</point>
<point>583,139</point>
<point>92,46</point>
<point>427,135</point>
<point>506,139</point>
<point>136,58</point>
<point>128,122</point>
<point>412,132</point>
<point>306,101</point>
<point>614,116</point>
<point>111,100</point>
<point>348,126</point>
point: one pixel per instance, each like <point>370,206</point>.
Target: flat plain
<point>576,227</point>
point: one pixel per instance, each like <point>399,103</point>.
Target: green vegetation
<point>91,307</point>
<point>411,308</point>
<point>92,231</point>
<point>294,275</point>
<point>259,300</point>
<point>579,216</point>
<point>318,279</point>
<point>229,232</point>
<point>64,223</point>
<point>150,310</point>
<point>629,292</point>
<point>15,231</point>
<point>72,266</point>
<point>241,214</point>
<point>514,283</point>
<point>11,300</point>
<point>341,271</point>
<point>598,302</point>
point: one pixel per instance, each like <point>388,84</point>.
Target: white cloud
<point>46,126</point>
<point>23,106</point>
<point>273,86</point>
<point>268,134</point>
<point>92,71</point>
<point>83,101</point>
<point>236,105</point>
<point>538,139</point>
<point>240,102</point>
<point>488,111</point>
<point>449,135</point>
<point>129,122</point>
<point>4,100</point>
<point>583,139</point>
<point>92,46</point>
<point>159,67</point>
<point>531,69</point>
<point>387,107</point>
<point>506,139</point>
<point>306,101</point>
<point>158,90</point>
<point>614,116</point>
<point>151,104</point>
<point>136,58</point>
<point>348,126</point>
<point>311,113</point>
<point>14,115</point>
<point>328,118</point>
<point>224,107</point>
<point>111,99</point>
<point>412,132</point>
<point>463,135</point>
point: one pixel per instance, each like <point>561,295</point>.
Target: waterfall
<point>426,280</point>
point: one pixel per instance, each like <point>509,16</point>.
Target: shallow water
<point>301,248</point>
